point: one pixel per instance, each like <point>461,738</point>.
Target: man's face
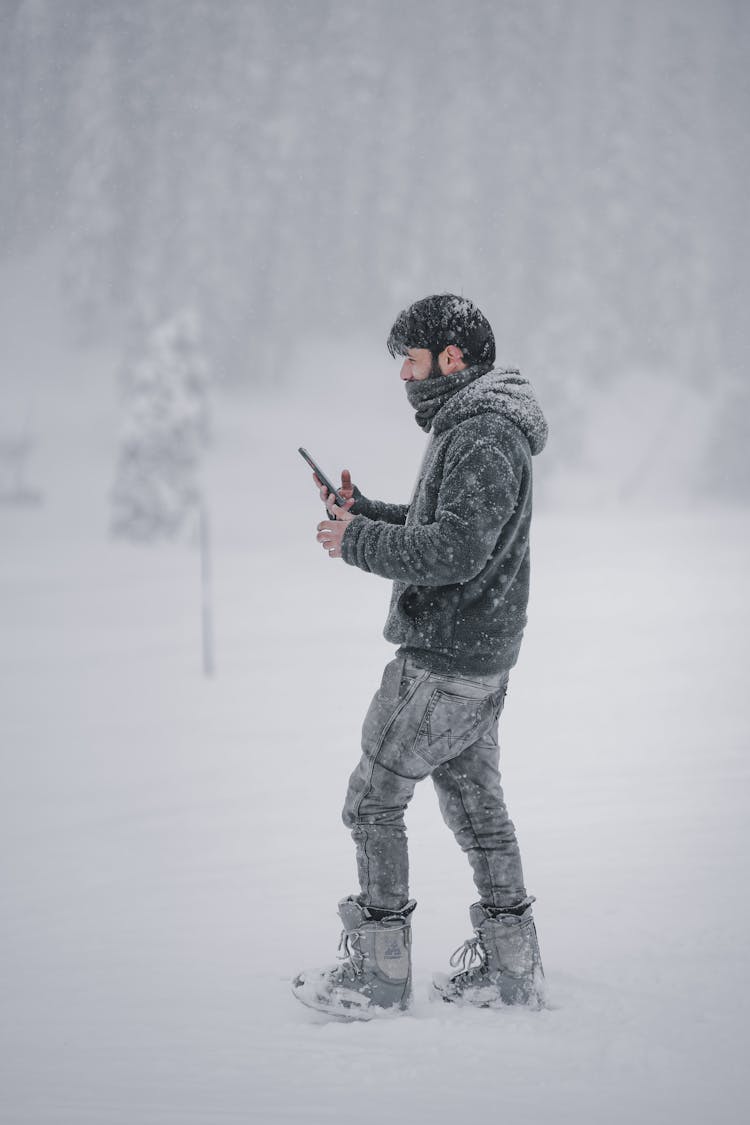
<point>418,365</point>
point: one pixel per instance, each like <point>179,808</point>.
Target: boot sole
<point>461,1001</point>
<point>352,1014</point>
<point>535,1004</point>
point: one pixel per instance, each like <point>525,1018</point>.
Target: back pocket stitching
<point>424,726</point>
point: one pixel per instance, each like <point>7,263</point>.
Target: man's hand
<point>346,490</point>
<point>331,532</point>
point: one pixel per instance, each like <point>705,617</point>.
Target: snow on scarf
<point>442,401</point>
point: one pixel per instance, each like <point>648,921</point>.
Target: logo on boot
<point>393,951</point>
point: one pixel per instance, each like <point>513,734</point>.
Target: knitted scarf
<point>428,395</point>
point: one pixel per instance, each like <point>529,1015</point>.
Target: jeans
<point>428,724</point>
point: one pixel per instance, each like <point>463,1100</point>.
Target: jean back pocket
<point>451,722</point>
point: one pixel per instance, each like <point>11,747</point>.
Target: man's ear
<point>453,359</point>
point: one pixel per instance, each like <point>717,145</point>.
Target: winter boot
<point>500,965</point>
<point>375,971</point>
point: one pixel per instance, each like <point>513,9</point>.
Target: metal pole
<point>207,627</point>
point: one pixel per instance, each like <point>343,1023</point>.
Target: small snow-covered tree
<point>164,433</point>
<point>15,448</point>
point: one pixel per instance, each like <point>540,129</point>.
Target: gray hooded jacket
<point>459,551</point>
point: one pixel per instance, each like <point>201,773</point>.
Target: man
<point>458,555</point>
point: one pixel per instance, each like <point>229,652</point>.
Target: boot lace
<point>470,955</point>
<point>350,954</point>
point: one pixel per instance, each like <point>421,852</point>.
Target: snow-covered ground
<point>172,850</point>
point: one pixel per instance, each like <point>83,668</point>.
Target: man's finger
<point>321,486</point>
<point>347,488</point>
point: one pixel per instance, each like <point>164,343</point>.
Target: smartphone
<point>339,499</point>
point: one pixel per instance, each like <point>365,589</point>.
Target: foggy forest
<point>294,168</point>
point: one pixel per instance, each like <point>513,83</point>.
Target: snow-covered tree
<point>165,432</point>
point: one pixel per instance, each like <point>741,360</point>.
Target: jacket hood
<point>503,391</point>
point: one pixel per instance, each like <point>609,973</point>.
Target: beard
<point>434,367</point>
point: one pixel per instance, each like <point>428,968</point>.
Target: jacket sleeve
<point>477,496</point>
<point>378,509</point>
